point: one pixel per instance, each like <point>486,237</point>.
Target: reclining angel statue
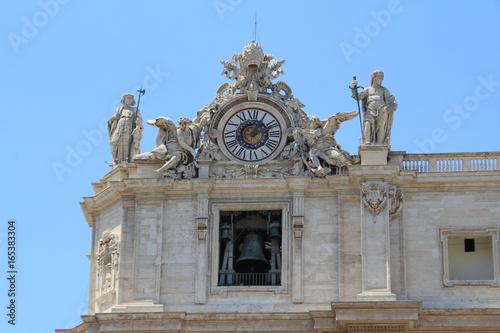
<point>175,145</point>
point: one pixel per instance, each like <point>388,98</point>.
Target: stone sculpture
<point>125,130</point>
<point>374,197</point>
<point>195,148</point>
<point>166,128</point>
<point>378,110</point>
<point>396,206</point>
<point>175,145</point>
<point>252,70</point>
<point>318,147</point>
<point>107,262</point>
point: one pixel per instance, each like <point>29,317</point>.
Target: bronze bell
<point>225,235</point>
<point>274,230</point>
<point>252,258</point>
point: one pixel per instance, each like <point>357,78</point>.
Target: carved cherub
<point>374,205</point>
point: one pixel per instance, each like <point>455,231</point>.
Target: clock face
<point>252,135</point>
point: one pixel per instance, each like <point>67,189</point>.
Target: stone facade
<point>365,243</point>
<point>334,276</point>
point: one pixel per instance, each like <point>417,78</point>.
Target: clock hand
<point>256,128</point>
<point>265,129</point>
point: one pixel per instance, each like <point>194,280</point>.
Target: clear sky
<point>66,63</point>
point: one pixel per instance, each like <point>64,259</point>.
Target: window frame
<point>446,233</point>
<point>286,248</point>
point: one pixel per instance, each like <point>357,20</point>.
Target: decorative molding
<point>105,299</point>
<point>376,329</point>
<point>253,171</point>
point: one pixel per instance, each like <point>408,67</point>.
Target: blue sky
<point>66,63</point>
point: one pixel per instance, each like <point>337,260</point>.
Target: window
<point>470,256</point>
<point>250,248</point>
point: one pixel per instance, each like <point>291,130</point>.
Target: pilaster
<point>202,221</point>
<point>126,269</point>
<point>375,175</point>
<point>375,243</point>
<point>298,227</point>
<point>148,246</point>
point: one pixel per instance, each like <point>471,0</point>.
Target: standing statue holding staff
<point>378,110</point>
<point>125,130</point>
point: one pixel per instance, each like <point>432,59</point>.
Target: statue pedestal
<point>204,170</point>
<point>374,154</point>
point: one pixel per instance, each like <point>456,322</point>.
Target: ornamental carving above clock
<point>249,124</point>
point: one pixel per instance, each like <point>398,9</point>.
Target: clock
<point>252,135</point>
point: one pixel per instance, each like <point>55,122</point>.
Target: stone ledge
<point>345,317</point>
<point>376,311</point>
<point>138,306</point>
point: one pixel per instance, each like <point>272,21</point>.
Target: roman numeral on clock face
<point>273,123</point>
<point>249,114</point>
<point>271,144</point>
<point>230,134</point>
<point>241,152</point>
<point>253,113</point>
<point>253,155</point>
<point>241,116</point>
<point>231,144</point>
<point>274,134</point>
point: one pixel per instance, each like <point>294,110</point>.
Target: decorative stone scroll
<point>396,202</point>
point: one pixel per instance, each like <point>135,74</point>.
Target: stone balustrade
<point>451,162</point>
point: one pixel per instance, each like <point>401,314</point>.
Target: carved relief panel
<point>107,258</point>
